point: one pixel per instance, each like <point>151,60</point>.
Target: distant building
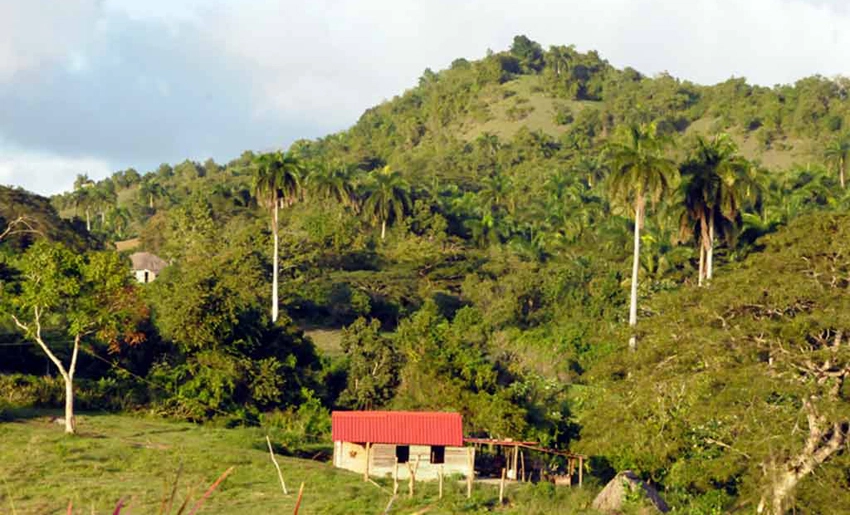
<point>372,442</point>
<point>146,266</point>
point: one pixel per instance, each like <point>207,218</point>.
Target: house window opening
<point>438,454</point>
<point>402,453</point>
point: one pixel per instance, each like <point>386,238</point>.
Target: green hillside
<point>644,269</point>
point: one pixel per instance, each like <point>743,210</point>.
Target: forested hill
<point>469,245</point>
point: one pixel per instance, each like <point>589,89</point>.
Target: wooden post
<point>298,501</point>
<point>580,469</point>
<point>502,487</point>
<point>516,456</point>
<point>470,474</point>
<point>522,462</point>
<point>366,469</point>
<point>279,473</point>
<point>395,478</point>
<point>440,474</point>
<point>411,480</point>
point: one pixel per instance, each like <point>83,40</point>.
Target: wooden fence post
<point>395,478</point>
<point>440,473</point>
<point>298,501</point>
<point>522,463</point>
<point>366,469</point>
<point>502,487</point>
<point>580,469</point>
<point>470,474</point>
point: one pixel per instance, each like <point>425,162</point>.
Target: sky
<point>95,86</point>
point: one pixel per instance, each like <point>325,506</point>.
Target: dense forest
<point>646,270</point>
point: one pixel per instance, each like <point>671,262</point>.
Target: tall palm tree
<point>639,170</point>
<point>277,183</point>
<point>717,180</point>
<point>837,152</point>
<point>150,188</point>
<point>388,194</point>
<point>332,183</point>
<point>83,200</point>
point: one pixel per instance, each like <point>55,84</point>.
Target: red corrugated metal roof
<point>398,427</point>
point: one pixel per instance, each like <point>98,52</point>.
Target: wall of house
<point>382,458</point>
<point>140,276</point>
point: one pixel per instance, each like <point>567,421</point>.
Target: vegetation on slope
<point>466,244</point>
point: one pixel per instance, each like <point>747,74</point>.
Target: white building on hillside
<point>146,266</point>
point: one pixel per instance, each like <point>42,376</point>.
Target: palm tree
<point>837,152</point>
<point>638,169</point>
<point>83,199</point>
<point>332,183</point>
<point>716,182</point>
<point>388,194</point>
<point>277,183</point>
<point>119,220</point>
<point>150,189</point>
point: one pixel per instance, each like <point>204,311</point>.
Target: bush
<point>310,423</point>
<point>105,394</point>
<point>564,115</point>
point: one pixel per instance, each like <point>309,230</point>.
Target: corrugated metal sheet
<point>398,427</point>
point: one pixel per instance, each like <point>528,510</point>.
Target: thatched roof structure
<point>147,261</point>
<point>627,484</point>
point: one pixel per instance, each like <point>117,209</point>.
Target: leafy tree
<point>740,391</point>
<point>373,365</point>
<point>638,169</point>
<point>837,153</point>
<point>86,297</point>
<point>529,53</point>
<point>388,195</point>
<point>277,182</point>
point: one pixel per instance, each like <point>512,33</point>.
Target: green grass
<point>136,458</point>
<point>541,116</point>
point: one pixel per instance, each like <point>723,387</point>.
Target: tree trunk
<point>150,200</point>
<point>635,268</point>
<point>842,169</point>
<point>824,441</point>
<point>88,220</point>
<point>709,259</point>
<point>275,266</point>
<point>701,263</point>
<point>70,421</point>
<point>383,229</point>
<point>67,375</point>
<point>103,218</point>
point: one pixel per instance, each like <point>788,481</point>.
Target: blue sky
<point>93,86</point>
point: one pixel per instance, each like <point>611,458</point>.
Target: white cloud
<point>46,173</point>
<point>37,32</point>
<point>145,81</point>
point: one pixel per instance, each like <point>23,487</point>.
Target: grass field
<point>136,458</point>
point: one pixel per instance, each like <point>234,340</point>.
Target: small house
<point>373,442</point>
<point>146,266</point>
